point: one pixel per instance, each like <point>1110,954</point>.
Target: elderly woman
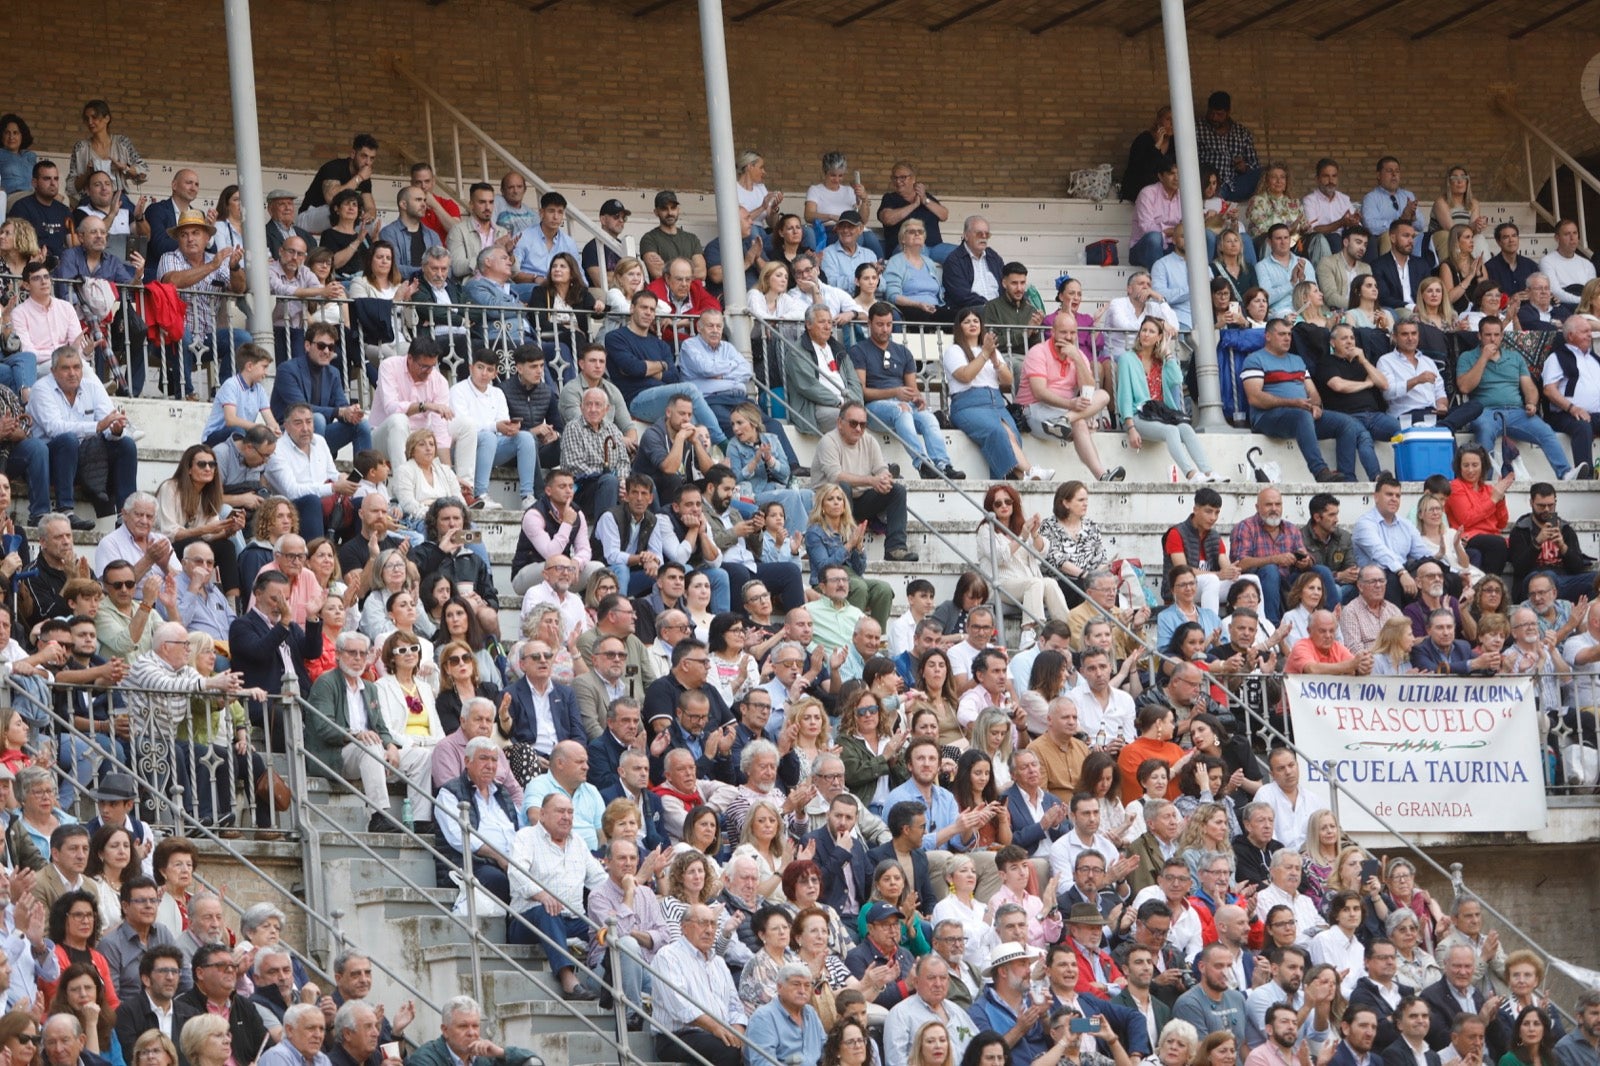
<point>36,790</point>
<point>406,703</point>
<point>173,865</point>
<point>261,924</point>
<point>1525,976</point>
<point>206,1041</point>
<point>214,746</point>
<point>802,888</point>
<point>153,1048</point>
<point>912,281</point>
<point>424,477</point>
<point>1416,967</point>
<point>758,982</point>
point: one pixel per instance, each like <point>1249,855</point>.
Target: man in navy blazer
<point>1027,794</point>
<point>1393,290</point>
<point>908,821</point>
<point>1441,648</point>
<point>1455,994</point>
<point>536,692</point>
<point>266,641</point>
<point>1359,1029</point>
<point>1413,1018</point>
<point>963,284</point>
<point>311,379</point>
<point>838,849</point>
<point>633,785</point>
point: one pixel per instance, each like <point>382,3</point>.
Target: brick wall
<point>584,92</point>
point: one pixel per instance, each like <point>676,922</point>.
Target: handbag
<point>1156,411</point>
<point>1101,253</point>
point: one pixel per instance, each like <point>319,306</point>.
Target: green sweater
<point>1132,391</point>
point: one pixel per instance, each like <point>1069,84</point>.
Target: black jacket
<point>1525,553</point>
<point>1366,994</point>
<point>135,1017</point>
<point>255,643</point>
<point>833,860</point>
<point>1442,1005</point>
<point>249,1032</point>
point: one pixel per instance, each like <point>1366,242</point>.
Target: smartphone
<point>1369,868</point>
<point>472,536</point>
<point>1084,1025</point>
<point>391,1050</point>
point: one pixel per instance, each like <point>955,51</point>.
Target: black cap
<point>1219,101</point>
<point>849,218</point>
<point>665,197</point>
<point>617,207</point>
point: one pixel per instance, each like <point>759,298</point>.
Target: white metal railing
<point>487,145</point>
<point>1557,158</point>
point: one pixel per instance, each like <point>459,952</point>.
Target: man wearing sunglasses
<point>310,378</point>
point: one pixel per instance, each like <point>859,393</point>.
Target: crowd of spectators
<point>849,837</point>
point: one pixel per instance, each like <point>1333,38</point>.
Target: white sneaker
<point>1040,473</point>
<point>133,432</point>
<point>530,501</point>
<point>487,503</point>
<point>1030,637</point>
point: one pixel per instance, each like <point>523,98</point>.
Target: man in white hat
<point>1006,1006</point>
<point>190,270</point>
<point>281,204</point>
<point>930,979</point>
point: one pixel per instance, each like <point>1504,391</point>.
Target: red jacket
<point>1472,509</point>
<point>1086,982</point>
<point>669,326</point>
<point>164,312</point>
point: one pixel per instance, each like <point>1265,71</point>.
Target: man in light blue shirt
<point>569,774</point>
<point>1382,540</point>
<point>946,823</point>
<point>1170,276</point>
<point>202,608</point>
<point>542,243</point>
<point>844,257</point>
<point>1384,204</point>
<point>787,1027</point>
<point>304,1029</point>
<point>1279,271</point>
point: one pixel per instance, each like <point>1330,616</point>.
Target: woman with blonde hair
<point>19,246</point>
<point>690,880</point>
<point>1321,851</point>
<point>1207,830</point>
<point>1434,311</point>
<point>150,1038</point>
<point>769,291</point>
<point>1391,651</point>
<point>1274,205</point>
<point>764,840</point>
<point>1310,306</point>
<point>1456,206</point>
<point>931,1045</point>
<point>833,536</point>
<point>1459,269</point>
<point>630,278</point>
<point>206,1040</point>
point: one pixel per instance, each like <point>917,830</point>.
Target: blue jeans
<point>918,430</point>
<point>1147,249</point>
<point>495,448</point>
<point>651,404</point>
<point>1274,587</point>
<point>124,475</point>
<point>1239,186</point>
<point>981,414</point>
<point>1518,424</point>
<point>19,371</point>
<point>339,433</point>
<point>557,927</point>
<point>1350,437</point>
<point>940,252</point>
<point>30,459</point>
<point>82,759</point>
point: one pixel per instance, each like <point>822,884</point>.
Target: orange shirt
<point>1472,509</point>
<point>1307,652</point>
<point>1141,749</point>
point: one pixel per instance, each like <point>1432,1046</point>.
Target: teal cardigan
<point>1133,393</point>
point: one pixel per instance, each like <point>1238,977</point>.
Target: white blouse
<point>956,357</point>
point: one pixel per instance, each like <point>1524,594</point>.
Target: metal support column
<point>1190,191</point>
<point>719,115</point>
<point>247,153</point>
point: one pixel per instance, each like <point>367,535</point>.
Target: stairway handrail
<point>1580,173</point>
<point>297,706</point>
<point>192,826</point>
<point>574,214</point>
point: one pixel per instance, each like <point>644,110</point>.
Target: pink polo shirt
<point>1042,362</point>
<point>44,329</point>
<point>397,391</point>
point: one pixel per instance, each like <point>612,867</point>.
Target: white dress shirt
<point>564,870</point>
<point>697,979</point>
<point>293,472</point>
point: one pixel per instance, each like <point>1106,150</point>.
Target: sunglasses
<point>457,659</point>
<point>206,464</point>
<point>120,585</point>
<point>324,346</point>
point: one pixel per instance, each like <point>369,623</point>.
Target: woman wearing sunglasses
<point>406,702</point>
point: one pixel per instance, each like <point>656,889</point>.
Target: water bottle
<point>406,818</point>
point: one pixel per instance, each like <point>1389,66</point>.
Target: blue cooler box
<point>1423,451</point>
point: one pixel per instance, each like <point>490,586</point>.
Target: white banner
<point>1426,752</point>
